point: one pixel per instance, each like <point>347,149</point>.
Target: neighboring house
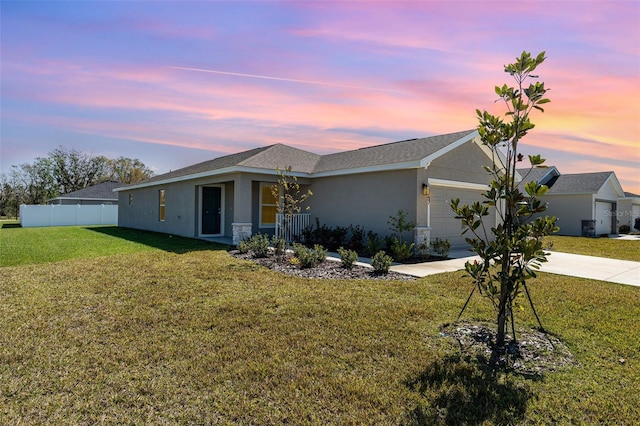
<point>629,211</point>
<point>586,204</point>
<point>101,193</point>
<point>231,196</point>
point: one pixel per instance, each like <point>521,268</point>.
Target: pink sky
<point>174,83</point>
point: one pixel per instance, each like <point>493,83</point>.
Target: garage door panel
<point>443,223</point>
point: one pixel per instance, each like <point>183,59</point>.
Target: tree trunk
<point>502,316</point>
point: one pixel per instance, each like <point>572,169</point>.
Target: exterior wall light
<point>425,189</point>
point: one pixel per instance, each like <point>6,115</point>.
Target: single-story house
<point>231,196</point>
<point>586,204</point>
<point>101,193</point>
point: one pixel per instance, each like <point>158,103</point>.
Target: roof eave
<point>209,173</point>
<point>442,151</point>
<point>369,169</point>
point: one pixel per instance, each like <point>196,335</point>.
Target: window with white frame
<point>161,205</point>
<point>268,206</point>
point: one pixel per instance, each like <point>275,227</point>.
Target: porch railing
<point>290,226</point>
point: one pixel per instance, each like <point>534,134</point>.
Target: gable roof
<point>580,183</point>
<point>412,153</point>
<point>101,191</point>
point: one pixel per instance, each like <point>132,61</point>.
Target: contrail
<point>293,80</point>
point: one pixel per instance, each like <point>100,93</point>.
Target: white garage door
<point>444,225</point>
<point>604,214</point>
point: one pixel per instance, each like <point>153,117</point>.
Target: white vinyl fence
<point>57,215</point>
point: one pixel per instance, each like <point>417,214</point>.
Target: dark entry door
<point>211,210</point>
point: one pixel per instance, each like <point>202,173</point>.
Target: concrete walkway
<point>597,268</point>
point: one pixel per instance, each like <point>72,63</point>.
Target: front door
<point>211,210</point>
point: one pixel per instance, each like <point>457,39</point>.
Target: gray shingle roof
<point>391,153</point>
<point>579,183</point>
<point>101,191</point>
<point>533,174</point>
<point>205,166</point>
<point>281,156</point>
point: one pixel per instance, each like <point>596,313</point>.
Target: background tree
<point>128,170</point>
<point>74,170</point>
<point>60,172</point>
<point>511,251</point>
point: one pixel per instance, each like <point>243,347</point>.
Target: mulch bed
<point>329,269</point>
<point>532,354</point>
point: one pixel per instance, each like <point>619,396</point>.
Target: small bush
<point>309,258</point>
<point>422,250</point>
<point>441,247</point>
<point>401,250</point>
<point>624,229</point>
<point>381,262</point>
<point>347,257</point>
<point>259,245</point>
<point>374,244</point>
<point>244,246</point>
<point>356,238</point>
<point>279,245</point>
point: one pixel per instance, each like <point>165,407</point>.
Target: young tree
<point>289,198</point>
<point>288,194</point>
<point>512,250</point>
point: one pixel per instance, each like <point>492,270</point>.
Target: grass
<point>159,335</point>
<point>600,247</point>
<point>26,246</point>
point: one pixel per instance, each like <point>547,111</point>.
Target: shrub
<point>309,258</point>
<point>401,250</point>
<point>381,262</point>
<point>279,245</point>
<point>347,257</point>
<point>624,229</point>
<point>356,237</point>
<point>244,246</point>
<point>441,247</point>
<point>259,245</point>
<point>374,244</point>
<point>423,251</point>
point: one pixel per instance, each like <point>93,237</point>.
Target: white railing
<point>290,226</point>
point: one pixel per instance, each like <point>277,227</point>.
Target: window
<point>161,204</point>
<point>268,206</point>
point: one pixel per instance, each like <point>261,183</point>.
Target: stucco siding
<point>628,211</point>
<point>366,199</point>
<point>444,225</point>
<point>570,210</point>
<point>143,212</point>
<point>463,164</point>
<point>608,192</point>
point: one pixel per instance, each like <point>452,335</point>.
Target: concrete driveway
<point>597,268</point>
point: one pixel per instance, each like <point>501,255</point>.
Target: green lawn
<point>27,246</point>
<point>601,247</point>
<point>159,330</point>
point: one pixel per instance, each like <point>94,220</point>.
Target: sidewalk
<point>597,268</point>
